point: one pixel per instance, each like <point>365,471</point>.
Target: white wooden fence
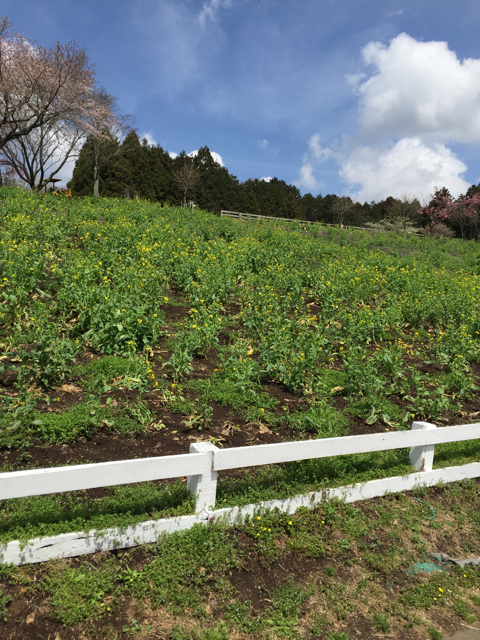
<point>254,216</point>
<point>201,466</point>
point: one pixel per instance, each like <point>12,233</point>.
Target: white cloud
<point>314,156</point>
<point>265,146</point>
<point>417,97</point>
<point>306,178</point>
<point>319,153</point>
<point>266,178</point>
<point>149,138</point>
<point>172,154</point>
<point>409,166</point>
<point>216,156</point>
<point>210,9</point>
<point>420,88</point>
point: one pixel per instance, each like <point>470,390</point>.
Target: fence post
<point>422,457</point>
<point>204,485</point>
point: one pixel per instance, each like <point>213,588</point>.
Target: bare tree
<point>101,150</point>
<point>341,208</point>
<point>39,86</point>
<point>402,213</point>
<point>39,155</point>
<point>185,176</point>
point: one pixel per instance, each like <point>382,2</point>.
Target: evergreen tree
<point>250,203</point>
<point>309,209</point>
<point>216,188</point>
<point>290,207</point>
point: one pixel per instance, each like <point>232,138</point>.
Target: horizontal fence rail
<point>37,482</point>
<point>201,467</point>
<point>325,448</point>
<point>255,216</point>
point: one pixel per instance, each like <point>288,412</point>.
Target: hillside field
<point>131,330</point>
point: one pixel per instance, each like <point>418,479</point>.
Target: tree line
<point>134,167</point>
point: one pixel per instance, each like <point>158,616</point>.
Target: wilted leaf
<point>337,390</point>
<point>71,388</point>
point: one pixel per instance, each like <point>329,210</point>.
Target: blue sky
<point>366,97</point>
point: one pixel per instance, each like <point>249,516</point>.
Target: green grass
<point>187,571</point>
<point>42,516</point>
<point>113,372</point>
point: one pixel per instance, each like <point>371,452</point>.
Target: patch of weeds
<point>427,594</point>
<point>116,372</point>
<point>80,420</point>
<point>239,614</point>
<point>319,622</point>
<point>389,413</point>
<point>287,601</point>
<point>187,561</point>
<point>82,594</point>
<point>456,453</point>
<point>338,635</point>
<point>321,419</point>
<point>380,622</point>
<point>5,600</point>
<point>135,627</point>
<point>328,379</point>
<point>182,405</point>
<point>434,634</point>
<point>219,632</point>
<point>462,610</point>
<point>275,482</point>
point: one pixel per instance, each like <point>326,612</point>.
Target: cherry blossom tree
<point>464,214</point>
<point>41,86</point>
<point>439,208</point>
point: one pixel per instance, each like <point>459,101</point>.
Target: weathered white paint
<point>36,482</point>
<point>352,493</point>
<point>422,457</point>
<point>69,545</point>
<point>204,485</point>
<point>327,447</point>
<point>77,544</point>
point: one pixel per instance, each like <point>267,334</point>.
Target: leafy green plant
<point>49,361</point>
<point>79,594</point>
<point>5,600</point>
<point>381,623</point>
<point>130,372</point>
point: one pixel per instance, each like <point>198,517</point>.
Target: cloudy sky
<point>366,97</point>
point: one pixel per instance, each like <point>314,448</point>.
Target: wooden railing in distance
<point>254,216</point>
